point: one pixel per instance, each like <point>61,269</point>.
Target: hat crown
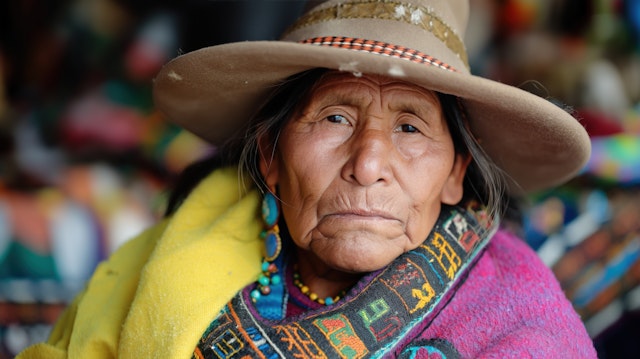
<point>432,27</point>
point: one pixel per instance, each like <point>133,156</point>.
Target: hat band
<point>380,48</point>
<point>412,14</point>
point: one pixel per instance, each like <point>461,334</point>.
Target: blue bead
<point>328,301</point>
<point>255,294</point>
<point>265,266</point>
<point>272,245</point>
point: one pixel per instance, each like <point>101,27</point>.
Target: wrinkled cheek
<point>301,221</point>
<point>421,226</point>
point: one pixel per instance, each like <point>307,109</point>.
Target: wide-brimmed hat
<point>214,91</point>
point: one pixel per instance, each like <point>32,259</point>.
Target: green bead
<point>276,279</point>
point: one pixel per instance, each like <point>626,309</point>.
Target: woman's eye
<point>407,128</point>
<point>337,119</point>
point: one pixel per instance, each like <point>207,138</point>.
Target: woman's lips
<point>363,215</point>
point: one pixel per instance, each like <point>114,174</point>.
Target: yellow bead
<point>313,296</point>
<point>304,289</point>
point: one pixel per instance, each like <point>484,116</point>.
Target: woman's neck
<point>322,279</point>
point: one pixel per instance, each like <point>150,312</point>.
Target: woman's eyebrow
<point>421,109</point>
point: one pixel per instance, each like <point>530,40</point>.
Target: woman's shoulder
<point>134,253</point>
<point>511,305</point>
<point>511,266</point>
<point>521,293</point>
<point>508,251</point>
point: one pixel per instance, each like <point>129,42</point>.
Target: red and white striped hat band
<point>380,48</point>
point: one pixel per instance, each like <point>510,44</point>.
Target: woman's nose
<point>369,160</point>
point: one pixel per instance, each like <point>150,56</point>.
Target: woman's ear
<point>268,161</point>
<point>454,187</point>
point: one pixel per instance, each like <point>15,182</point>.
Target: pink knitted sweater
<point>511,306</point>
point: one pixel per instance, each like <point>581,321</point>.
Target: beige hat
<point>213,91</point>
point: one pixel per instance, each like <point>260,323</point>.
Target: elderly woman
<point>352,210</point>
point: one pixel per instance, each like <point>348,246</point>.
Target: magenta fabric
<point>511,306</point>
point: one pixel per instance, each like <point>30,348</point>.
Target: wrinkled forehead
<point>335,78</point>
<point>349,85</point>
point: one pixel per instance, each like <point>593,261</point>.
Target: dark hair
<point>483,181</point>
<point>243,150</point>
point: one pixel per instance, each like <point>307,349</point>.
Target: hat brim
<point>214,91</point>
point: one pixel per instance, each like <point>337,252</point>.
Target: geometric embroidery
<point>410,284</point>
<point>226,345</point>
<point>298,342</point>
<point>381,310</point>
<point>381,321</point>
<point>339,331</point>
<point>444,253</point>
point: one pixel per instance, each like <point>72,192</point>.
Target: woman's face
<point>362,170</point>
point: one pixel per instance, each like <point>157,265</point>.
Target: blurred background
<point>86,162</point>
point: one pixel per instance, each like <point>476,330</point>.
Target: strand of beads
<point>311,295</point>
<point>268,277</point>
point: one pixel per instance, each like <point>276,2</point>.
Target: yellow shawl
<point>157,294</point>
